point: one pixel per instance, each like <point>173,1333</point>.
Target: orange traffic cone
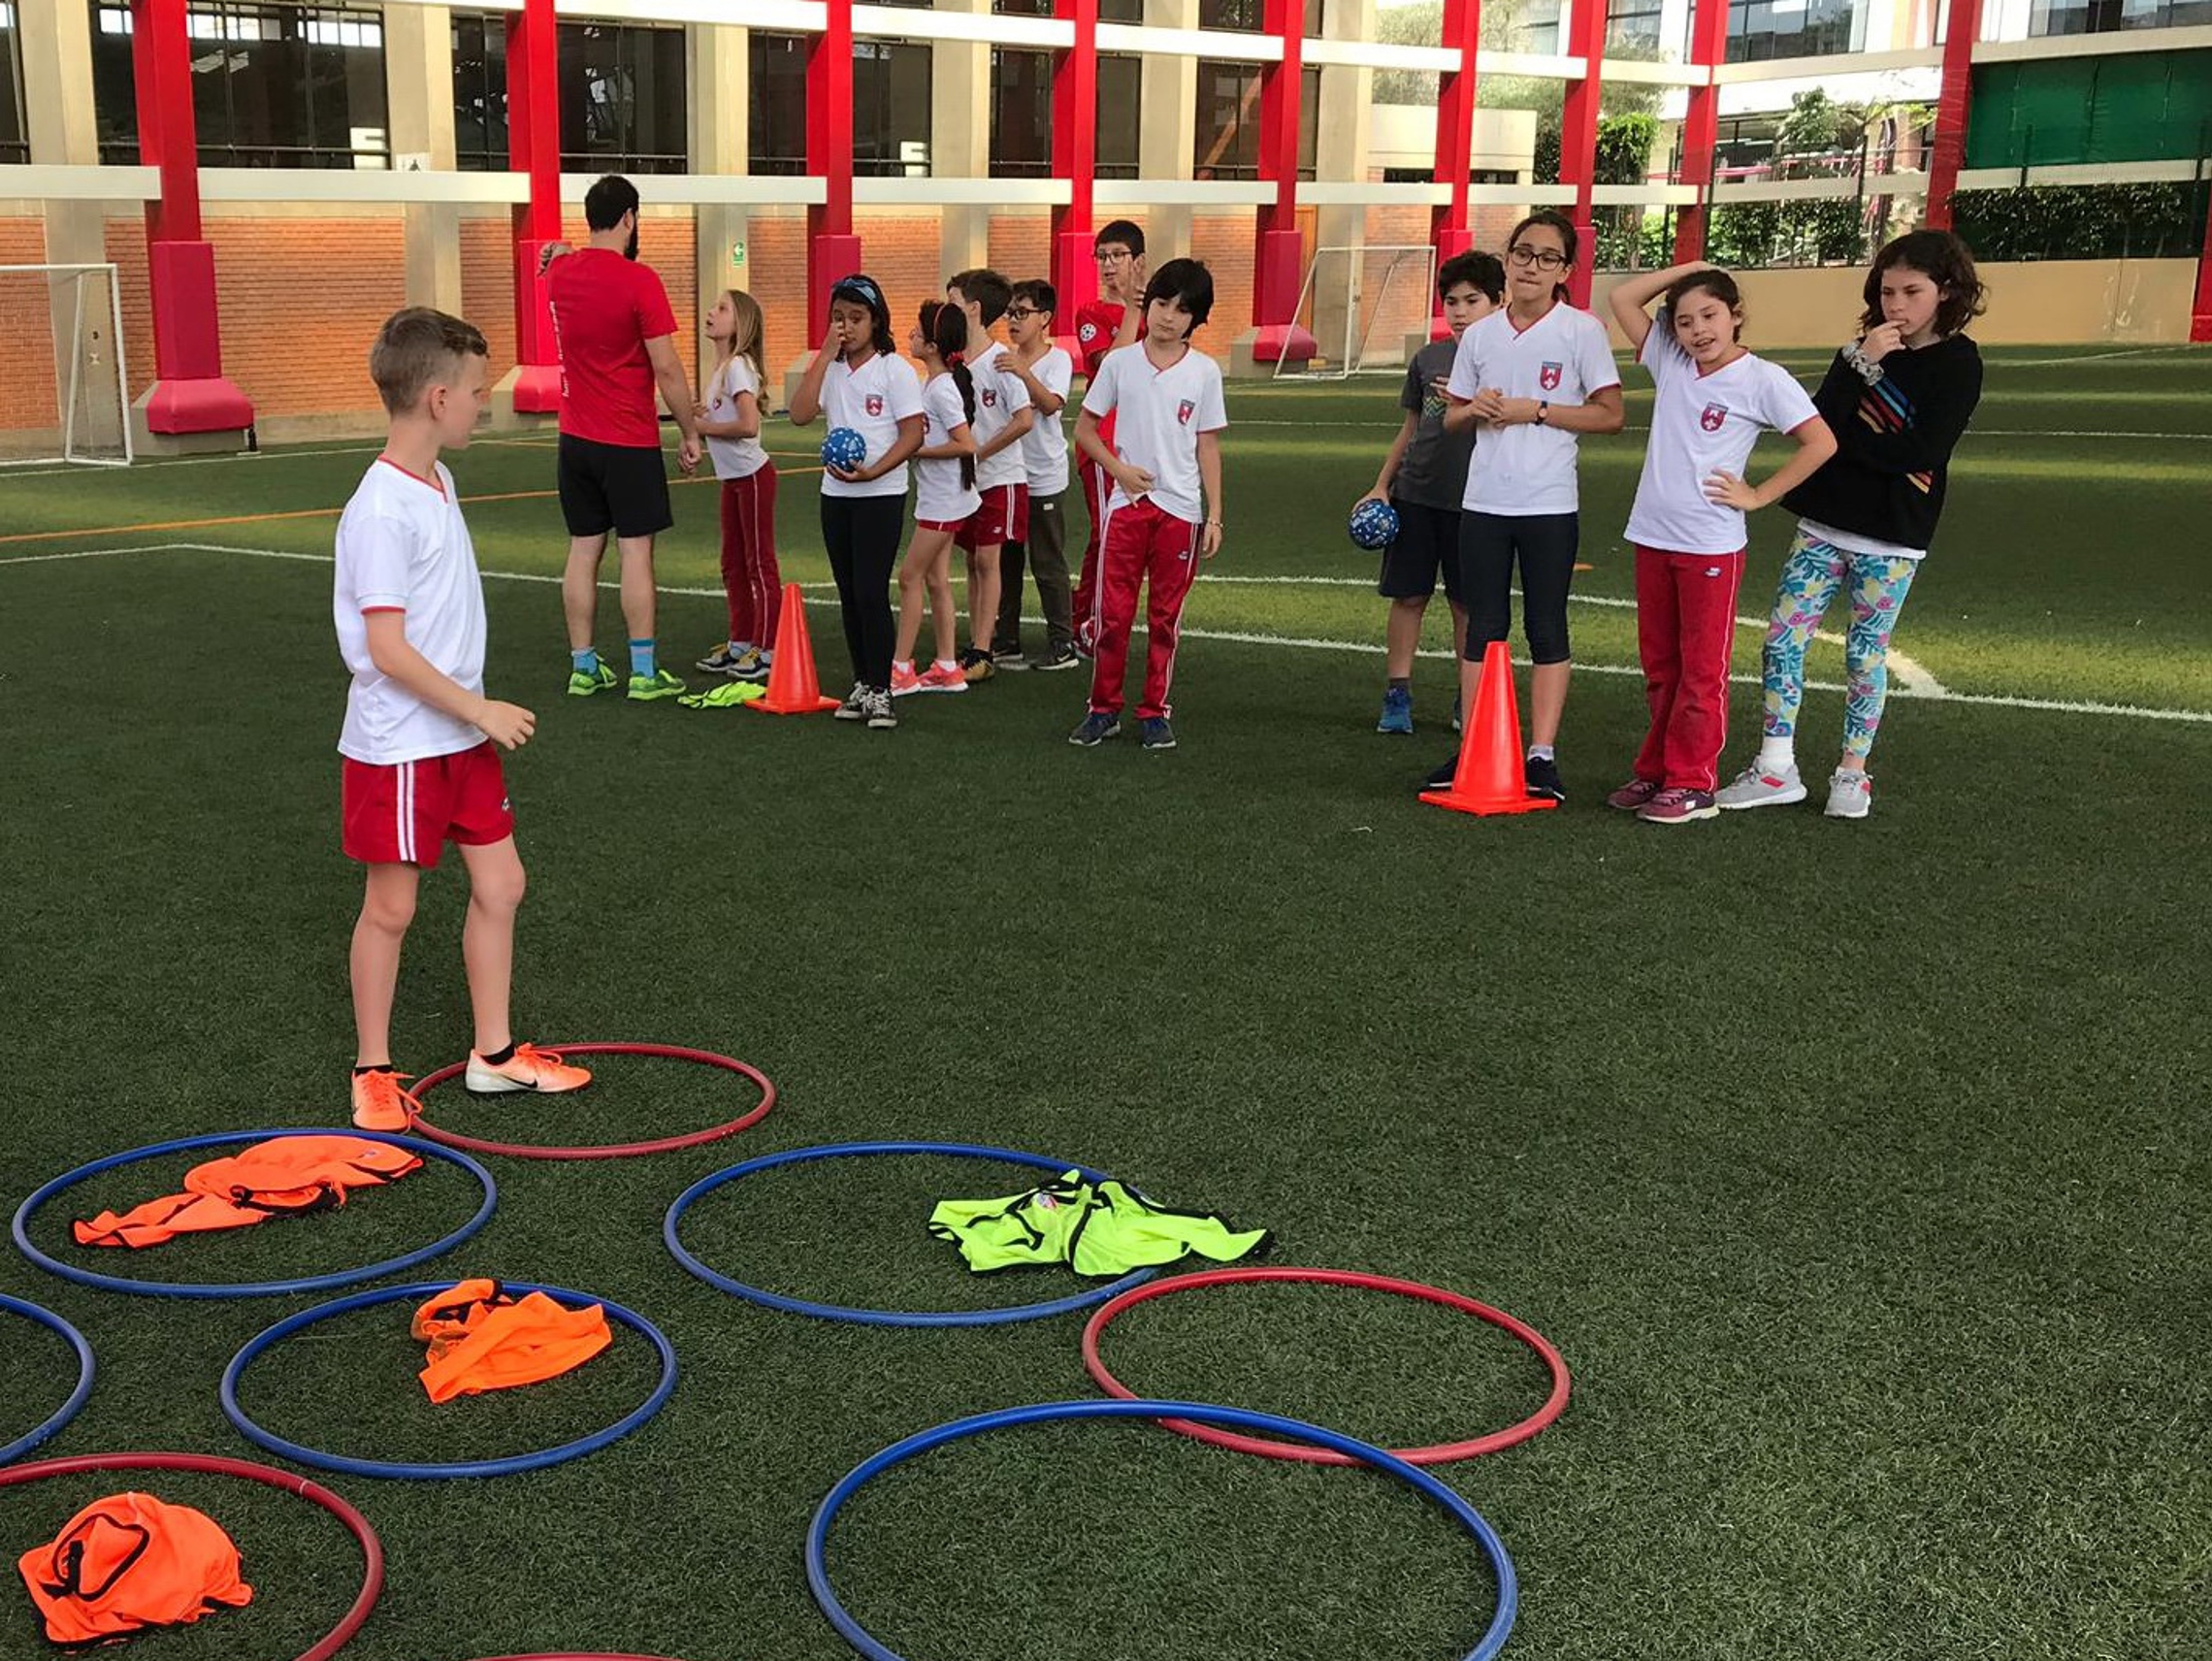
<point>793,689</point>
<point>1490,778</point>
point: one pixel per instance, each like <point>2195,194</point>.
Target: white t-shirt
<point>1044,447</point>
<point>1851,543</point>
<point>733,458</point>
<point>1561,358</point>
<point>1000,396</point>
<point>1702,424</point>
<point>1158,415</point>
<point>871,400</point>
<point>402,544</point>
<point>939,497</point>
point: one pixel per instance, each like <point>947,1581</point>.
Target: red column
<point>190,393</point>
<point>833,250</point>
<point>1279,255</point>
<point>1578,133</point>
<point>1701,126</point>
<point>1075,159</point>
<point>1948,146</point>
<point>534,148</point>
<point>1451,226</point>
<point>2201,315</point>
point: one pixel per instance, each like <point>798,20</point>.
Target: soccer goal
<point>1360,305</point>
<point>64,394</point>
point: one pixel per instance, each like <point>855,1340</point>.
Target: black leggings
<point>1546,545</point>
<point>862,535</point>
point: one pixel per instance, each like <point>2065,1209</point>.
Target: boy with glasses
<point>1045,372</point>
<point>1115,319</point>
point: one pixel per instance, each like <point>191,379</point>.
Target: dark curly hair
<point>1946,262</point>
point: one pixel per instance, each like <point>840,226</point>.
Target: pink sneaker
<point>904,680</point>
<point>938,678</point>
<point>1633,795</point>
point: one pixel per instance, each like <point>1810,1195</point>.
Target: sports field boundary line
<point>1244,638</point>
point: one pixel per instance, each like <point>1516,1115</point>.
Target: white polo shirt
<point>939,497</point>
<point>402,545</point>
<point>733,458</point>
<point>1702,424</point>
<point>1563,357</point>
<point>871,400</point>
<point>1000,396</point>
<point>1044,447</point>
<point>1158,415</point>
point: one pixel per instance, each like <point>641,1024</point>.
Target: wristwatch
<point>1543,412</point>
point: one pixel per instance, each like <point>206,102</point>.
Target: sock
<point>641,659</point>
<point>1777,755</point>
<point>1401,683</point>
<point>374,1067</point>
<point>948,664</point>
<point>585,662</point>
<point>903,666</point>
<point>738,648</point>
<point>1541,753</point>
<point>499,1058</point>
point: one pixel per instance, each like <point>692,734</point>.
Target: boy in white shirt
<point>1163,514</point>
<point>421,741</point>
<point>1046,372</point>
<point>1002,420</point>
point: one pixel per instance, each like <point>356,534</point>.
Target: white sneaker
<point>1758,786</point>
<point>1850,794</point>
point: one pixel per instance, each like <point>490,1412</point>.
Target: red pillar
<point>1451,226</point>
<point>1700,126</point>
<point>2201,315</point>
<point>1947,148</point>
<point>1075,159</point>
<point>1578,134</point>
<point>534,148</point>
<point>833,250</point>
<point>1279,255</point>
<point>190,393</point>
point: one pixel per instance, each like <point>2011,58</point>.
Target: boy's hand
<point>510,725</point>
<point>1133,284</point>
<point>1488,405</point>
<point>1133,480</point>
<point>1209,539</point>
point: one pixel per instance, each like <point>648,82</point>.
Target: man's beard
<point>629,249</point>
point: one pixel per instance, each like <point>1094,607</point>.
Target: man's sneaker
<point>1098,727</point>
<point>1851,794</point>
<point>855,707</point>
<point>881,716</point>
<point>1762,787</point>
<point>1009,657</point>
<point>649,689</point>
<point>1156,733</point>
<point>975,664</point>
<point>1678,806</point>
<point>720,660</point>
<point>380,1103</point>
<point>1634,794</point>
<point>1542,774</point>
<point>601,680</point>
<point>752,664</point>
<point>903,680</point>
<point>1061,657</point>
<point>1443,777</point>
<point>1397,710</point>
<point>529,1069</point>
<point>937,677</point>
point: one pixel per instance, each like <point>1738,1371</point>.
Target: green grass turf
<point>1859,1171</point>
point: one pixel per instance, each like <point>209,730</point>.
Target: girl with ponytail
<point>945,498</point>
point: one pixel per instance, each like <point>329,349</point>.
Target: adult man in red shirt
<point>617,335</point>
<point>1116,318</point>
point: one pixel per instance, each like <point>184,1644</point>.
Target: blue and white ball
<point>1374,524</point>
<point>844,449</point>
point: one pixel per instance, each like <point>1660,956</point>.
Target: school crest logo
<point>1547,378</point>
<point>1184,411</point>
<point>1715,416</point>
<point>990,399</point>
<point>874,403</point>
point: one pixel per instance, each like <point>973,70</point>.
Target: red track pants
<point>1144,546</point>
<point>749,574</point>
<point>1685,630</point>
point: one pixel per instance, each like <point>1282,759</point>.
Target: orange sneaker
<point>527,1069</point>
<point>381,1103</point>
<point>942,677</point>
<point>903,680</point>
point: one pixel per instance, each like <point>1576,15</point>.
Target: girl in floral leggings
<point>1899,400</point>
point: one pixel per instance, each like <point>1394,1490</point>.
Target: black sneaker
<point>1008,655</point>
<point>876,702</point>
<point>855,707</point>
<point>1156,733</point>
<point>1098,727</point>
<point>1442,777</point>
<point>1061,657</point>
<point>1542,775</point>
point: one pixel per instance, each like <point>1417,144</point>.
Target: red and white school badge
<point>1549,376</point>
<point>1712,418</point>
<point>874,403</point>
<point>1184,411</point>
<point>990,399</point>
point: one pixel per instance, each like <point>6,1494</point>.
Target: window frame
<point>18,147</point>
<point>627,158</point>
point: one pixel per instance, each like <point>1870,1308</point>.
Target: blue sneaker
<point>1397,710</point>
<point>1098,727</point>
<point>1157,734</point>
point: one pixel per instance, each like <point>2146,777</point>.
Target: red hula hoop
<point>612,1150</point>
<point>372,1549</point>
<point>1441,1453</point>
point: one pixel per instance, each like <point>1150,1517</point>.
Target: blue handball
<point>844,449</point>
<point>1375,523</point>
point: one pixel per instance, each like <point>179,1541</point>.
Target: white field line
<point>1926,689</point>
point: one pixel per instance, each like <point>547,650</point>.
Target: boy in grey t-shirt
<point>1424,479</point>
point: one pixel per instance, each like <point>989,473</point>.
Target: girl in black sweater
<point>1899,400</point>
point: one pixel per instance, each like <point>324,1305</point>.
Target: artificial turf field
<point>1859,1170</point>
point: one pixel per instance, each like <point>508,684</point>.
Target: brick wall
<point>1021,246</point>
<point>29,400</point>
<point>487,285</point>
<point>1224,241</point>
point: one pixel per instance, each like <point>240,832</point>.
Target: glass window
<point>114,85</point>
<point>479,92</point>
<point>775,115</point>
<point>1227,138</point>
<point>1632,27</point>
<point>891,107</point>
<point>1760,30</point>
<point>1020,114</point>
<point>623,99</point>
<point>1532,28</point>
<point>1120,12</point>
<point>2105,17</point>
<point>1120,102</point>
<point>1238,17</point>
<point>15,129</point>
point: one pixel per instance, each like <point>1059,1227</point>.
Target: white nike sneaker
<point>1760,787</point>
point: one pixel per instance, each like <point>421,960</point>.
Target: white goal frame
<point>1355,336</point>
<point>66,381</point>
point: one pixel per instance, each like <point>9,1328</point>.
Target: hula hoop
<point>575,1656</point>
<point>372,1548</point>
<point>250,1289</point>
<point>1438,1453</point>
<point>886,1317</point>
<point>501,1467</point>
<point>1356,1452</point>
<point>608,1150</point>
<point>69,1409</point>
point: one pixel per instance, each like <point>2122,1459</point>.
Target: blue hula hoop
<point>1267,1423</point>
<point>69,1409</point>
<point>250,1289</point>
<point>501,1467</point>
<point>887,1317</point>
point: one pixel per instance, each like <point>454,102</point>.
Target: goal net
<point>1361,304</point>
<point>63,392</point>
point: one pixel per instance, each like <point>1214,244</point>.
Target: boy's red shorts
<point>1003,517</point>
<point>405,813</point>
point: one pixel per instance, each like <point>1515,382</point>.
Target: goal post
<point>1360,302</point>
<point>65,391</point>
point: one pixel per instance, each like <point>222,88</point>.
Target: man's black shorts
<point>617,487</point>
<point>1427,547</point>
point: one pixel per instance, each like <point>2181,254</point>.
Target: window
<point>1633,28</point>
<point>479,92</point>
<point>622,99</point>
<point>1020,114</point>
<point>1228,121</point>
<point>891,107</point>
<point>272,86</point>
<point>1120,102</point>
<point>2105,17</point>
<point>775,115</point>
<point>15,130</point>
<point>1121,11</point>
<point>1534,28</point>
<point>1424,175</point>
<point>1237,17</point>
<point>1760,30</point>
